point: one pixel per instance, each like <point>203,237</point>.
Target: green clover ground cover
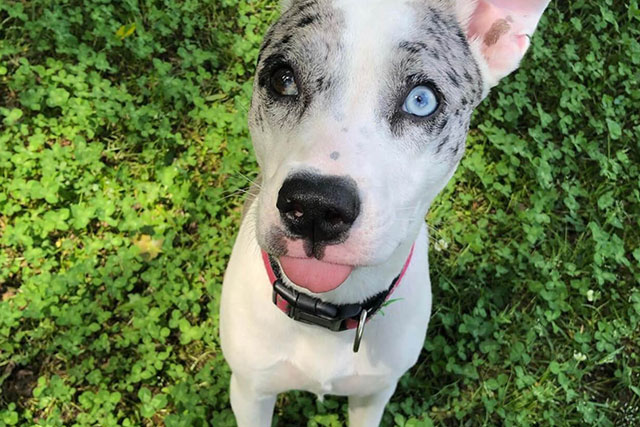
<point>124,155</point>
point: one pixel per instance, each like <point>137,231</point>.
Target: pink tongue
<point>314,275</point>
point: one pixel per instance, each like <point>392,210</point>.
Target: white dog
<point>359,118</point>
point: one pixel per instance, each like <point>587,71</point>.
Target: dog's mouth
<point>314,275</point>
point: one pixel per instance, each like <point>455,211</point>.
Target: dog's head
<point>359,118</point>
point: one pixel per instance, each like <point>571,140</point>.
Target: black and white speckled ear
<point>499,33</point>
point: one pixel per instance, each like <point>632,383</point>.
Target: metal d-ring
<point>360,330</point>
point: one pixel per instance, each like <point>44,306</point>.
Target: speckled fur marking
<point>439,56</point>
<point>307,37</point>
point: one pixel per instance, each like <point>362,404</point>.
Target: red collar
<point>314,311</point>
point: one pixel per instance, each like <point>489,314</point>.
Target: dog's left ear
<point>499,32</point>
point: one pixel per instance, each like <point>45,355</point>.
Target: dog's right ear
<point>499,32</point>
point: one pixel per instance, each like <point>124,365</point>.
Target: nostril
<point>296,212</point>
<point>334,217</point>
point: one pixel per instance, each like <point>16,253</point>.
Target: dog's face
<point>359,118</point>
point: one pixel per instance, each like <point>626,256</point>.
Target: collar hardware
<point>313,311</point>
<point>360,331</point>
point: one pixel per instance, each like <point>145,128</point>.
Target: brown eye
<point>284,82</point>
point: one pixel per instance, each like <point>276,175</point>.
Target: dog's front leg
<point>366,411</point>
<point>250,408</point>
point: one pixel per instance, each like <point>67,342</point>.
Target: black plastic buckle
<point>314,311</point>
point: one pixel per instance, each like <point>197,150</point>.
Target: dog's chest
<point>331,378</point>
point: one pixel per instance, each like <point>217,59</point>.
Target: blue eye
<point>421,102</point>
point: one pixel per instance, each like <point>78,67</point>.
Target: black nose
<point>318,208</point>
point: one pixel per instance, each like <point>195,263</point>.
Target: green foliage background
<point>127,119</point>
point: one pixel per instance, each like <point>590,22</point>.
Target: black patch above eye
<point>283,81</point>
<point>307,20</point>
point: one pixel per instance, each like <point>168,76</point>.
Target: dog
<point>359,117</point>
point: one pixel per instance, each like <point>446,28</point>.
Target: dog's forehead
<point>359,35</point>
<point>370,33</point>
<point>425,33</point>
<point>387,19</point>
<point>380,20</point>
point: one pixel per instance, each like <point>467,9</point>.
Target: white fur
<point>270,353</point>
